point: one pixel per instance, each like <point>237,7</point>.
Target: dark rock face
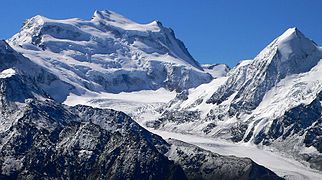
<point>51,142</point>
<point>180,116</point>
<point>201,164</point>
<point>238,132</point>
<point>208,128</point>
<point>313,136</point>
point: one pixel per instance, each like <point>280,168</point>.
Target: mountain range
<point>60,80</point>
<point>42,139</point>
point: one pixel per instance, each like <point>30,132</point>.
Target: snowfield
<point>129,102</point>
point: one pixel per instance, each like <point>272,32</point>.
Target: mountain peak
<point>108,43</point>
<point>35,20</point>
<point>290,33</point>
<point>117,20</point>
<point>108,15</point>
<point>293,42</point>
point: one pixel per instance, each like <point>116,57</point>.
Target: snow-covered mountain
<point>109,53</point>
<point>42,139</point>
<point>274,100</point>
<point>291,53</point>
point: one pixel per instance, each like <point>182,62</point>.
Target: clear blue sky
<point>214,31</point>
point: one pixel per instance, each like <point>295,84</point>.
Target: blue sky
<point>214,31</point>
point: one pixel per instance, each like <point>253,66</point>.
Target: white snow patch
<point>7,73</point>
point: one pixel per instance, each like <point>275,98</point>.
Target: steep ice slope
<point>272,100</point>
<point>42,139</point>
<point>110,53</point>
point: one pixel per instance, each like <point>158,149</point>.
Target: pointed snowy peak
<point>290,34</point>
<point>35,23</point>
<point>294,43</point>
<point>289,54</point>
